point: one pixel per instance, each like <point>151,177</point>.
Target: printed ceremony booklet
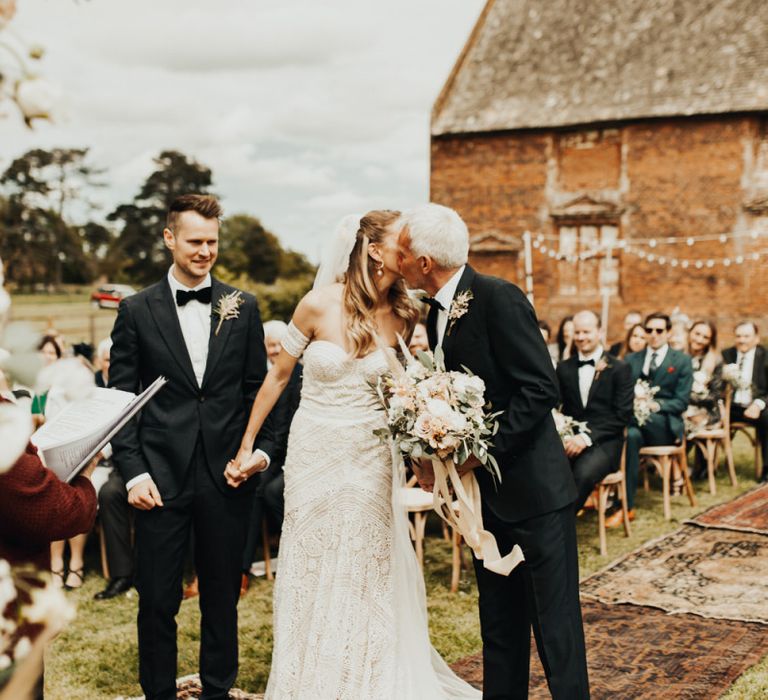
<point>74,436</point>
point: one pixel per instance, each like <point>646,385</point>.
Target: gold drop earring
<point>380,268</point>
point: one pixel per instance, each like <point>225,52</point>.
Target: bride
<point>350,616</point>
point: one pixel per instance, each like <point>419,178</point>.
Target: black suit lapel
<point>216,342</point>
<point>162,306</point>
<point>432,326</point>
<point>571,377</point>
<point>595,379</point>
<point>451,330</point>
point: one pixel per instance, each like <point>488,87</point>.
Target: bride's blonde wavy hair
<point>360,296</point>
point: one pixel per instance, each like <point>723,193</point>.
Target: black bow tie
<point>202,295</point>
<point>586,362</point>
<point>433,303</point>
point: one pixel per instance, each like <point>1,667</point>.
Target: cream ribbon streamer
<point>466,516</point>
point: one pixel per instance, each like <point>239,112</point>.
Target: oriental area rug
<point>638,653</point>
<point>747,513</point>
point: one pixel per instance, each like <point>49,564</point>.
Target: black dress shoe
<point>116,587</point>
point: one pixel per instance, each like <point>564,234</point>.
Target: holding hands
<point>245,464</point>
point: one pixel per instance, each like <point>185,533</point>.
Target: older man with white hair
<point>487,325</point>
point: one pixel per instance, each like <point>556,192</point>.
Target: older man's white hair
<point>439,233</point>
<point>275,329</point>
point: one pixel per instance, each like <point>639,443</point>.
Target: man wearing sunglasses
<point>671,371</point>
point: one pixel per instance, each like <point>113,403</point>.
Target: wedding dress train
<point>350,617</point>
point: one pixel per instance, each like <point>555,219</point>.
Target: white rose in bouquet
<point>644,404</point>
<point>732,375</point>
<point>700,382</point>
<point>36,98</point>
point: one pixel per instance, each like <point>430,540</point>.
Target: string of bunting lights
<point>647,250</point>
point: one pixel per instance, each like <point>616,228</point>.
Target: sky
<point>304,110</point>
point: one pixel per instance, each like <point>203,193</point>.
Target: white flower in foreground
<point>50,607</point>
<point>7,11</point>
<point>5,662</point>
<point>36,98</point>
<point>71,379</point>
<point>22,648</point>
<point>15,430</point>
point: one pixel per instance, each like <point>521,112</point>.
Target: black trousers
<point>761,425</point>
<point>116,517</point>
<point>162,540</point>
<point>593,465</point>
<point>268,500</point>
<point>541,593</point>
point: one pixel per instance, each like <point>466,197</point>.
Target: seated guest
<point>565,339</point>
<point>597,388</point>
<point>37,508</point>
<point>419,340</point>
<point>703,409</point>
<point>546,333</point>
<point>268,498</point>
<point>102,362</point>
<point>631,320</point>
<point>634,342</point>
<point>50,351</point>
<point>671,371</point>
<point>678,336</point>
<point>749,405</point>
<point>115,516</point>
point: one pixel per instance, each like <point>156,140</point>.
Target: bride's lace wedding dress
<point>350,619</point>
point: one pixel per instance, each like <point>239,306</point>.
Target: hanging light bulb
<point>652,243</point>
<point>723,238</point>
<point>689,240</point>
<point>684,264</point>
<point>710,263</point>
<point>662,260</point>
<point>726,261</point>
<point>699,264</point>
<point>543,249</point>
<point>674,262</point>
<point>739,259</point>
<point>755,256</point>
<point>651,257</point>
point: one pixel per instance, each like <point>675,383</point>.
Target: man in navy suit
<point>671,371</point>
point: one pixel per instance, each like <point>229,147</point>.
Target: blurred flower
<point>71,379</point>
<point>36,98</point>
<point>7,11</point>
<point>15,429</point>
<point>49,607</point>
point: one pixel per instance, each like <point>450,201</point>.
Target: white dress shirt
<point>586,377</point>
<point>445,297</point>
<point>743,397</point>
<point>195,322</point>
<point>661,353</point>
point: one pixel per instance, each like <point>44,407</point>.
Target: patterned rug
<point>638,653</point>
<point>189,688</point>
<point>747,513</point>
<point>709,572</point>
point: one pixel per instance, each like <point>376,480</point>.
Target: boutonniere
<point>459,306</point>
<point>670,370</point>
<point>602,364</point>
<point>228,308</point>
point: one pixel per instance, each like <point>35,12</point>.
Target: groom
<point>492,330</point>
<point>173,458</point>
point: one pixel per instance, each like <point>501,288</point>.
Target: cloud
<point>304,110</point>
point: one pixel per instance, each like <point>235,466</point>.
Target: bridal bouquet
<point>32,612</point>
<point>435,413</point>
<point>732,375</point>
<point>440,416</point>
<point>644,404</point>
<point>567,426</point>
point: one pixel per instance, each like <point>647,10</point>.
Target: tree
<point>138,253</point>
<point>247,248</point>
<point>46,191</point>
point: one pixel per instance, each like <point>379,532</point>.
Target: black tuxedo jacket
<point>147,343</point>
<point>499,340</point>
<point>282,416</point>
<point>609,402</point>
<point>759,370</point>
<point>674,377</point>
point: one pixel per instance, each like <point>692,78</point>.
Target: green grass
<point>95,658</point>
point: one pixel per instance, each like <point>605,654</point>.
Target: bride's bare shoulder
<point>315,305</point>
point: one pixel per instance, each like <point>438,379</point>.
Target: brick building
<point>635,127</point>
